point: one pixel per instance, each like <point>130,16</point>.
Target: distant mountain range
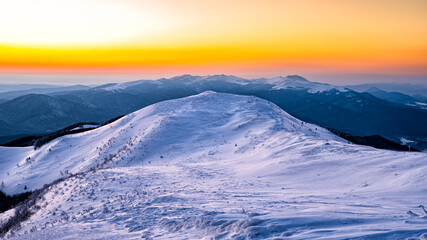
<point>397,117</point>
<point>42,90</point>
<point>397,97</point>
<point>405,88</point>
<point>21,87</point>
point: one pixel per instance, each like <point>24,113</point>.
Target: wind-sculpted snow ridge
<point>216,166</point>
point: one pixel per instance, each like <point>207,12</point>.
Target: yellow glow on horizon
<point>72,23</point>
<point>132,35</point>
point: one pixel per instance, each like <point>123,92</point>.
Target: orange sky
<point>248,38</point>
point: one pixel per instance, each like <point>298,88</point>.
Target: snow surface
<point>421,105</point>
<point>405,141</point>
<point>217,166</point>
<point>84,126</point>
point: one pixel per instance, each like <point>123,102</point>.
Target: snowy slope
<point>216,165</point>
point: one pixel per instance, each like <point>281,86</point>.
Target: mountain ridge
<point>214,165</point>
<point>330,106</point>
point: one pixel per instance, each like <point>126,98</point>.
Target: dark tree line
<point>7,202</point>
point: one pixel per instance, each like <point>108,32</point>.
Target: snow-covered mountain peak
<point>296,78</point>
<point>205,120</point>
<point>299,83</point>
<point>187,78</point>
<point>121,86</point>
<point>226,78</point>
<point>214,165</point>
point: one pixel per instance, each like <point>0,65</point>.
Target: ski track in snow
<point>217,166</point>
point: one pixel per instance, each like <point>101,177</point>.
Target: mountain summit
<point>180,127</point>
<point>214,165</point>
